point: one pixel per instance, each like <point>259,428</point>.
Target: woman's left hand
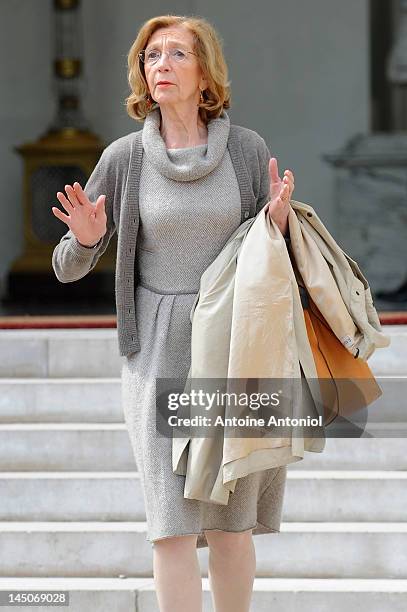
<point>280,195</point>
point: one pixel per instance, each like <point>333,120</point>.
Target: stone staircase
<point>72,514</point>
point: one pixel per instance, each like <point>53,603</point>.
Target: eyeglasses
<point>152,56</point>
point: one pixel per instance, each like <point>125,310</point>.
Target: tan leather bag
<point>347,383</point>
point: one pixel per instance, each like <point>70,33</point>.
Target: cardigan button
<point>309,214</point>
<point>246,214</point>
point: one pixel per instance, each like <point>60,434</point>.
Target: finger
<point>100,203</point>
<point>80,194</point>
<point>287,181</point>
<point>288,178</point>
<point>284,193</point>
<point>60,215</point>
<point>72,196</point>
<point>273,170</point>
<point>65,202</point>
<point>290,184</point>
<point>290,189</point>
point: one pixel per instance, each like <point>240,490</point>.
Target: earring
<point>201,98</point>
<point>149,102</point>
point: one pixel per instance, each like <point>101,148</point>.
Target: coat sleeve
<point>71,260</point>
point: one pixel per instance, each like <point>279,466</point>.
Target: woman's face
<point>185,77</point>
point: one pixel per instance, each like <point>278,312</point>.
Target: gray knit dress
<point>189,205</point>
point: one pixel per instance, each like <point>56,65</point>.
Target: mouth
<point>164,84</point>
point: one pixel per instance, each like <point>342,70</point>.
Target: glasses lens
<point>151,56</point>
<point>178,55</point>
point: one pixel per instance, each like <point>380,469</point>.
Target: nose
<point>160,59</point>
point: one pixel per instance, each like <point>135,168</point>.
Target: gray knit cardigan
<point>117,175</point>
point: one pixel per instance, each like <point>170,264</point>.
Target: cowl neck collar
<point>189,163</point>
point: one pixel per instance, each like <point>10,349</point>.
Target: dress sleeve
<point>72,260</point>
<point>264,158</point>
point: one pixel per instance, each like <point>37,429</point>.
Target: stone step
<point>392,359</point>
<point>98,400</point>
<point>65,446</point>
<point>111,549</point>
<point>60,400</point>
<point>288,594</point>
<point>57,353</point>
<point>105,447</point>
<point>343,496</point>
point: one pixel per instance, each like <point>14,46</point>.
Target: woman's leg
<point>232,568</point>
<point>177,574</point>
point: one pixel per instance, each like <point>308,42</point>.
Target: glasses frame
<point>142,58</point>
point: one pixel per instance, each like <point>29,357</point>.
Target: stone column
<point>371,184</point>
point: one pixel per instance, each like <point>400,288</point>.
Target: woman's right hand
<point>86,220</point>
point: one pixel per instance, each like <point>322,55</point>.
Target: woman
<point>189,204</point>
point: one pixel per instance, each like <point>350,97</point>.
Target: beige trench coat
<point>248,322</point>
